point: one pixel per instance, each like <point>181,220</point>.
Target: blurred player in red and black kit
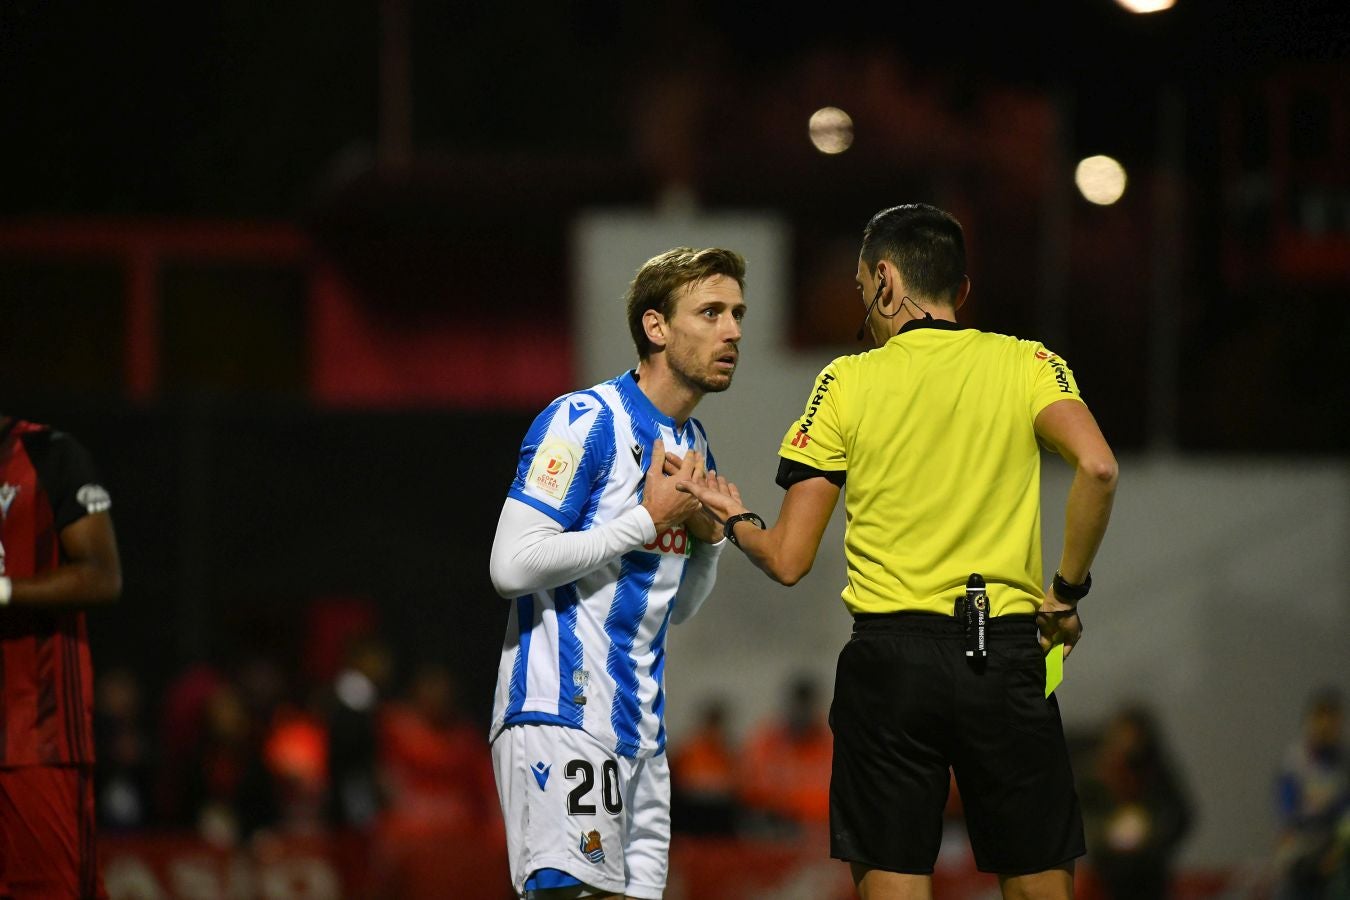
<point>57,556</point>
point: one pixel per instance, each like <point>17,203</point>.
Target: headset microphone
<point>862,329</point>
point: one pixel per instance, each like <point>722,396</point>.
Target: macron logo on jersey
<point>578,408</point>
<point>540,772</point>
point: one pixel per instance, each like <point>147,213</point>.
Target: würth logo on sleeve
<point>1061,371</point>
<point>673,540</point>
<point>801,438</point>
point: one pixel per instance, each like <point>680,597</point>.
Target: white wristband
<point>6,590</point>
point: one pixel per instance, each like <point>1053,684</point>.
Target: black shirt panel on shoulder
<point>66,471</point>
<point>790,472</point>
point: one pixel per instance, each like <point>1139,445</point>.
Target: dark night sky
<point>239,108</point>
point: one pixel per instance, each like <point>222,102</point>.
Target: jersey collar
<point>628,385</point>
<point>940,324</point>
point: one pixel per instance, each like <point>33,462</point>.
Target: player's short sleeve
<point>566,457</point>
<point>1051,379</point>
<point>816,438</point>
<point>66,471</point>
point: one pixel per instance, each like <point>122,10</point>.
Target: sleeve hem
<point>554,514</point>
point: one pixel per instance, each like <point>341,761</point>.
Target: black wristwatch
<point>729,526</point>
<point>1071,592</point>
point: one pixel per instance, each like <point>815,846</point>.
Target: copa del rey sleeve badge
<point>555,464</point>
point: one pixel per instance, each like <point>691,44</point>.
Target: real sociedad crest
<point>590,847</point>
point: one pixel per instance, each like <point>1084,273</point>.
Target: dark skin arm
<point>89,575</point>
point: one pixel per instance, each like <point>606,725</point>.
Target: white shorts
<point>574,805</point>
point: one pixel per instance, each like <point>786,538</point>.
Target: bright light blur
<point>1100,179</point>
<point>831,130</point>
<point>1146,6</point>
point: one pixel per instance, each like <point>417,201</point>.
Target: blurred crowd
<point>229,752</point>
<point>1137,808</point>
<point>775,783</point>
<point>252,748</point>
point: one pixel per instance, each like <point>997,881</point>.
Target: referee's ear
<point>962,292</point>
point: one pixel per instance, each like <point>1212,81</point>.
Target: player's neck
<point>670,394</point>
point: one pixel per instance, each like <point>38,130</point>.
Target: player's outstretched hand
<point>667,505</point>
<point>1058,623</point>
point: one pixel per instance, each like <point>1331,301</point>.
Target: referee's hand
<point>719,497</point>
<point>1058,623</point>
<point>706,524</point>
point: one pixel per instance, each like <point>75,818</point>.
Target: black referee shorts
<point>908,704</point>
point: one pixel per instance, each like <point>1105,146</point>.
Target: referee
<point>937,433</point>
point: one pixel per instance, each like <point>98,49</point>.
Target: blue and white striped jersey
<point>591,653</point>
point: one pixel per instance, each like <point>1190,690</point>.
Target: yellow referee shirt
<point>935,433</point>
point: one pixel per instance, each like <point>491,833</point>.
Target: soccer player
<point>937,434</point>
<point>57,555</point>
<point>599,553</point>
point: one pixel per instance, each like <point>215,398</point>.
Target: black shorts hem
<point>1015,871</point>
<point>870,865</point>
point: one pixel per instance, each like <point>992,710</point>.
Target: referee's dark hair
<point>661,277</point>
<point>925,243</point>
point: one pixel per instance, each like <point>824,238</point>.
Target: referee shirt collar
<point>940,324</point>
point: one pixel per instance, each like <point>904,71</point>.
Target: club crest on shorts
<point>590,847</point>
<point>580,678</point>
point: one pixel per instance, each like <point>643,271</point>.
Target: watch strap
<point>729,526</point>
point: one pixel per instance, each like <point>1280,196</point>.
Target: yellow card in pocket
<point>1054,668</point>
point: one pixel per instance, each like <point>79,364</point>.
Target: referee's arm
<point>1068,428</point>
<point>787,550</point>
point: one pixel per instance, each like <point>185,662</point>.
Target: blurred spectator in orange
<point>437,770</point>
<point>436,763</point>
<point>703,777</point>
<point>1314,803</point>
<point>228,790</point>
<point>785,774</point>
<point>123,776</point>
<point>296,753</point>
<point>352,706</point>
<point>1135,809</point>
